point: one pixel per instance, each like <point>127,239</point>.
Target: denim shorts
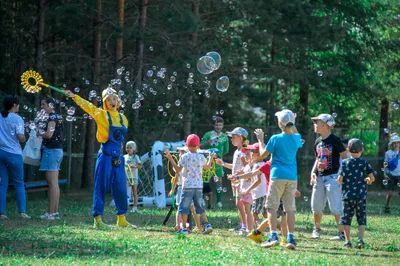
<point>51,159</point>
<point>189,195</point>
<point>325,189</point>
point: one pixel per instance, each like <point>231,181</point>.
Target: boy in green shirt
<point>215,139</point>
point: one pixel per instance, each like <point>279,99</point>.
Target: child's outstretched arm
<point>224,164</point>
<point>177,168</point>
<point>210,159</point>
<point>176,179</point>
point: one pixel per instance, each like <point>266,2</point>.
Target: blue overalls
<point>110,171</point>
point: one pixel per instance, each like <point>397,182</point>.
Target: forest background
<point>321,56</point>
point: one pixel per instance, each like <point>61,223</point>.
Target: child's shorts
<point>189,195</point>
<point>248,198</point>
<point>178,195</point>
<point>206,188</point>
<point>392,183</point>
<point>259,205</point>
<point>359,206</point>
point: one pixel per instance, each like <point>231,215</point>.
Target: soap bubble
<point>25,107</point>
<point>334,115</point>
<point>151,48</point>
<point>191,75</point>
<point>374,143</point>
<point>121,93</point>
<point>398,184</point>
<point>305,198</point>
<point>172,78</point>
<point>190,81</point>
<point>385,182</point>
<point>284,107</point>
<point>150,73</point>
<point>169,87</point>
<point>77,90</point>
<point>85,116</point>
<point>155,81</point>
<point>119,71</point>
<point>303,141</point>
<point>221,112</point>
<point>385,164</point>
<point>64,85</point>
<point>368,74</point>
<point>386,130</point>
<point>87,82</point>
<point>92,94</point>
<point>164,113</point>
<point>180,116</point>
<point>62,104</point>
<point>188,65</point>
<point>32,125</point>
<point>136,105</point>
<point>217,59</point>
<point>222,84</point>
<point>71,111</point>
<point>224,189</point>
<point>359,117</point>
<point>175,73</point>
<point>216,179</point>
<point>244,44</point>
<point>167,105</point>
<point>177,102</point>
<point>206,65</point>
<point>69,118</point>
<point>214,117</point>
<point>160,108</point>
<point>320,73</point>
<point>30,110</point>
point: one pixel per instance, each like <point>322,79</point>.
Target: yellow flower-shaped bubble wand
<point>32,82</point>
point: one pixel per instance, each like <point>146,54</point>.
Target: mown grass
<point>73,241</point>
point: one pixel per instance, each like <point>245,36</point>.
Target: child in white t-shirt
<point>132,166</point>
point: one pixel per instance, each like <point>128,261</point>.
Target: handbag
<point>31,153</point>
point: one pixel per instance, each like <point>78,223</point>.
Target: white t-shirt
<point>237,163</point>
<point>260,190</point>
<point>192,171</point>
<point>389,155</point>
<point>133,160</point>
<point>245,183</point>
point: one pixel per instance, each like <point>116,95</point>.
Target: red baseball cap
<point>193,140</point>
<point>252,147</point>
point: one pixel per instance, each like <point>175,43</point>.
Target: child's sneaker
<point>134,209</point>
<point>50,216</point>
<point>219,204</point>
<point>23,215</point>
<point>237,228</point>
<point>183,231</point>
<point>197,229</point>
<point>360,244</point>
<point>177,228</point>
<point>272,241</point>
<point>347,244</point>
<point>207,229</point>
<point>3,217</point>
<point>283,242</point>
<point>255,237</point>
<point>340,236</point>
<point>122,222</point>
<point>316,233</point>
<point>290,243</point>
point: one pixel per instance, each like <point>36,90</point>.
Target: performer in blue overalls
<point>110,172</point>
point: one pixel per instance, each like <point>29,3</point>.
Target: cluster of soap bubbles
<point>221,189</point>
<point>210,63</point>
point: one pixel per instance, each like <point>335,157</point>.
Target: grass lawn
<point>73,241</point>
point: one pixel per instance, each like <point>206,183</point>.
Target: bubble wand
<point>32,81</point>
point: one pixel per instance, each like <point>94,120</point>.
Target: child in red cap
<point>191,165</point>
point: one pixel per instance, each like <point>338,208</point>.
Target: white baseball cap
<point>131,144</point>
<point>326,118</point>
<point>285,117</point>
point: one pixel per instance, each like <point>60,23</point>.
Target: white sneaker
<point>44,216</point>
<point>3,217</point>
<point>23,215</point>
<point>134,209</point>
<point>50,216</point>
<point>219,204</point>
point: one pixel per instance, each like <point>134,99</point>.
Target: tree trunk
<point>271,108</point>
<point>120,39</point>
<point>187,123</point>
<point>139,61</point>
<point>383,124</point>
<point>88,159</point>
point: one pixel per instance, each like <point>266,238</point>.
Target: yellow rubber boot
<point>99,224</point>
<point>122,222</point>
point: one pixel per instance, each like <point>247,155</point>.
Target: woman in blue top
<point>11,134</point>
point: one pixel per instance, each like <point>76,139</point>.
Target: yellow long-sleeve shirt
<point>100,116</point>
